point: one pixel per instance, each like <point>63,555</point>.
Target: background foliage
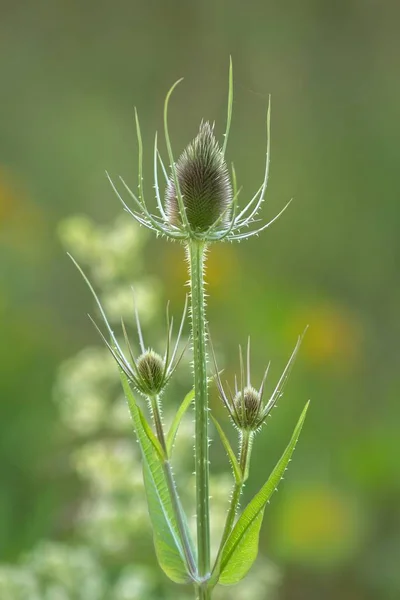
<point>71,74</point>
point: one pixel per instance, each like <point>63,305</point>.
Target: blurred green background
<point>71,74</point>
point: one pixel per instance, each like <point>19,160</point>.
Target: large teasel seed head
<point>204,184</point>
<point>248,409</point>
<point>151,370</point>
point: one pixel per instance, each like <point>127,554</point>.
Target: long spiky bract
<point>156,186</point>
<point>278,391</point>
<point>138,326</point>
<point>140,158</point>
<point>179,198</point>
<point>230,105</point>
<point>149,372</point>
<point>199,174</point>
<point>198,205</point>
<point>261,193</point>
<point>246,407</point>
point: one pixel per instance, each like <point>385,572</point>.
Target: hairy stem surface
<point>179,515</point>
<point>196,251</point>
<point>203,593</point>
<point>244,462</point>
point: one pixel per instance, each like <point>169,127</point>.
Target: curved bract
<point>201,197</point>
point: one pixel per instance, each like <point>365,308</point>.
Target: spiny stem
<point>203,592</point>
<point>237,491</point>
<point>196,250</point>
<point>246,441</point>
<point>177,508</point>
<point>156,414</point>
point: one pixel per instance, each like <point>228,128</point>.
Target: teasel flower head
<point>201,195</point>
<point>149,372</point>
<point>246,406</point>
<point>204,184</point>
<point>150,368</point>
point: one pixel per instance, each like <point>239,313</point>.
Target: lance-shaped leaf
<point>241,548</point>
<point>150,435</point>
<point>167,541</point>
<point>237,472</point>
<point>177,420</point>
<point>173,430</point>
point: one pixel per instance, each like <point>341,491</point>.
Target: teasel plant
<point>199,208</point>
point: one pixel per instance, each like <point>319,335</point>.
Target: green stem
<point>237,492</point>
<point>196,251</point>
<point>156,413</point>
<point>176,505</point>
<point>203,593</point>
<point>246,441</point>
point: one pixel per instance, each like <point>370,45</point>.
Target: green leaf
<point>167,541</point>
<point>148,431</point>
<point>237,472</point>
<point>173,430</point>
<point>241,548</point>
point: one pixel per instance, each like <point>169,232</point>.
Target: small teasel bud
<point>247,409</point>
<point>204,184</point>
<point>151,370</point>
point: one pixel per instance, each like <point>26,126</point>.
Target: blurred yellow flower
<point>221,265</point>
<point>9,199</point>
<point>21,221</point>
<point>318,525</point>
<point>334,334</point>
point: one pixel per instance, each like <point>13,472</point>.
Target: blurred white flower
<point>119,301</point>
<point>134,583</point>
<point>112,522</point>
<point>110,466</point>
<point>65,572</point>
<point>112,525</point>
<point>108,250</point>
<point>83,390</point>
<point>18,583</point>
<point>119,418</point>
